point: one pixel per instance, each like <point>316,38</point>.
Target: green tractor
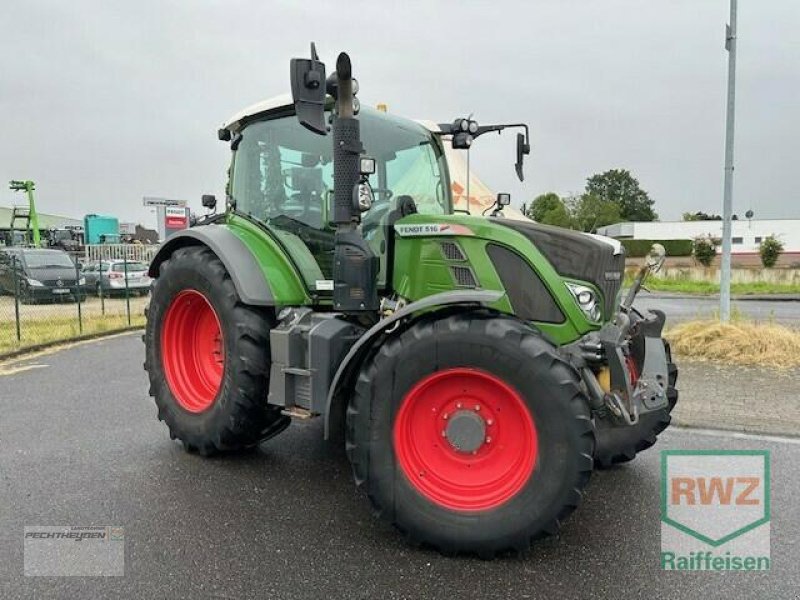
<point>477,368</point>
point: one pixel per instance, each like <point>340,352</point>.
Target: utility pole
<point>727,203</point>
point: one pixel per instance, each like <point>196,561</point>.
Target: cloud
<point>106,102</point>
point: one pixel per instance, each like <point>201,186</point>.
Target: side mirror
<point>522,150</point>
<point>209,201</point>
<point>503,199</point>
<point>308,91</point>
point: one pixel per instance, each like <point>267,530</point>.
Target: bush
<point>639,248</point>
<point>704,250</point>
<point>770,250</point>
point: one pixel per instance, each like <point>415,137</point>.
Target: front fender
<point>360,349</point>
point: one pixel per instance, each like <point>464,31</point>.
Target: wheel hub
<point>466,431</point>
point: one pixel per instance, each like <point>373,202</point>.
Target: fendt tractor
<point>476,368</point>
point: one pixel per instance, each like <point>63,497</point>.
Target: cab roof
<point>270,105</point>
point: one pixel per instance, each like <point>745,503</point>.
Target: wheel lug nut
<point>445,416</point>
<point>459,405</point>
<point>489,439</point>
<point>444,433</point>
<point>489,422</point>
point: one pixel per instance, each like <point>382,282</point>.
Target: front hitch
<point>630,358</point>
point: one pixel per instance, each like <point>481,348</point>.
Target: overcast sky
<point>104,102</point>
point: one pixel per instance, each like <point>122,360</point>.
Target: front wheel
<point>482,445</point>
<point>208,356</point>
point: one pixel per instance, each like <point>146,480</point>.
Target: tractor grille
<point>464,277</point>
<point>452,251</point>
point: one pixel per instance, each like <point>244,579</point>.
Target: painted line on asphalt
<point>739,435</point>
<point>11,370</point>
<point>6,365</point>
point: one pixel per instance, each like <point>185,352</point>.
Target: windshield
<point>283,176</point>
<point>38,259</point>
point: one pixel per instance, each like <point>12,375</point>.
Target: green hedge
<point>638,248</point>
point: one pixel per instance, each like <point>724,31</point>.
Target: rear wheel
<point>482,446</point>
<point>208,357</point>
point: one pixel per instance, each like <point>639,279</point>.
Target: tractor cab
<point>282,176</point>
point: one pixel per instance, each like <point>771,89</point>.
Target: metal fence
<point>138,252</point>
<point>42,303</point>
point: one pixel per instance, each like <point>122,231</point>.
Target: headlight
<point>82,281</point>
<point>34,282</point>
<point>587,300</point>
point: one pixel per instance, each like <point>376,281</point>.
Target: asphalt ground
<point>80,445</point>
<point>784,312</point>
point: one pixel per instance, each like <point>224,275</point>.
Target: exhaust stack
<point>355,266</point>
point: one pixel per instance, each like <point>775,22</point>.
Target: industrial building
<point>46,221</point>
<point>746,236</point>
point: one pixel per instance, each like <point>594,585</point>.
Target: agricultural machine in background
<point>28,234</point>
<point>477,368</point>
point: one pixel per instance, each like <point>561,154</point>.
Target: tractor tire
<point>470,434</point>
<point>208,357</point>
<point>621,443</point>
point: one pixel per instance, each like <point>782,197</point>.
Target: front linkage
<point>628,375</point>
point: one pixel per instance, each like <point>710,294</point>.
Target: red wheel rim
<point>192,351</point>
<point>452,467</point>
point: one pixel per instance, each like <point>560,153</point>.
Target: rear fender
<point>244,269</point>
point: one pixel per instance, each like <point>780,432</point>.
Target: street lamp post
<point>727,203</point>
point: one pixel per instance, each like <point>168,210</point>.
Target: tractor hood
<point>592,258</point>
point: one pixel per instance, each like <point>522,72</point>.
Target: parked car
<point>108,277</point>
<point>41,275</point>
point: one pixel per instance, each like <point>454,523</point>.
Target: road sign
<point>175,217</point>
<point>150,201</point>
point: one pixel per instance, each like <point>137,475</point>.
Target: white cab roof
<point>265,106</point>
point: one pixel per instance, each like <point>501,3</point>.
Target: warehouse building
<point>746,236</point>
<point>46,221</point>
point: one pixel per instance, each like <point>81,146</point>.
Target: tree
<point>622,188</point>
<point>770,250</point>
<point>558,216</point>
<point>704,250</point>
<point>549,209</point>
<point>590,212</point>
<point>700,216</point>
<point>542,204</point>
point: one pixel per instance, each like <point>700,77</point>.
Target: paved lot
<point>686,309</point>
<point>285,521</point>
<point>748,399</point>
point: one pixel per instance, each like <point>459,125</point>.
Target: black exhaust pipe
<point>355,266</point>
